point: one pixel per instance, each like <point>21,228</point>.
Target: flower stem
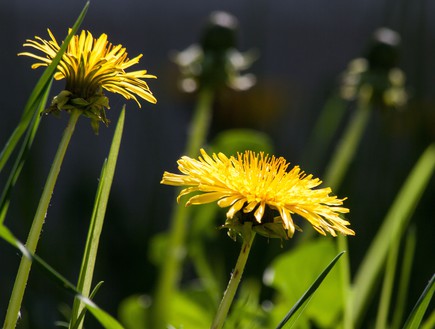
<point>248,237</point>
<point>170,271</point>
<point>36,228</point>
<point>200,122</point>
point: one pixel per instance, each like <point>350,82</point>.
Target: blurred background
<point>303,49</point>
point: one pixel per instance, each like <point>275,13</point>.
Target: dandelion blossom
<point>90,65</point>
<point>258,187</point>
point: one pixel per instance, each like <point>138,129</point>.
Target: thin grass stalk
<point>171,267</point>
<point>13,310</point>
<point>97,221</point>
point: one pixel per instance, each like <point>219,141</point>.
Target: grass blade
<point>21,157</point>
<point>419,309</point>
<point>308,294</point>
<point>35,96</point>
<point>97,220</point>
<point>391,229</point>
<point>104,318</point>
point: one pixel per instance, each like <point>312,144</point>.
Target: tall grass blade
<point>405,276</point>
<point>104,318</point>
<point>21,157</point>
<point>97,220</point>
<point>387,285</point>
<point>308,294</point>
<point>35,96</point>
<point>419,309</point>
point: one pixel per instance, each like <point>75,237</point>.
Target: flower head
<point>88,66</point>
<point>258,188</point>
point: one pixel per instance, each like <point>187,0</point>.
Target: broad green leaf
<point>191,310</point>
<point>392,228</point>
<point>35,97</point>
<point>133,311</point>
<point>232,141</point>
<point>292,273</point>
<point>420,308</point>
<point>306,297</point>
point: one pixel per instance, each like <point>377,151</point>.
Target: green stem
<point>171,267</point>
<point>348,145</point>
<point>200,122</point>
<point>248,237</point>
<point>35,230</point>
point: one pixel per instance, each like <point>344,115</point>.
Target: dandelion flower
<point>258,187</point>
<point>88,66</point>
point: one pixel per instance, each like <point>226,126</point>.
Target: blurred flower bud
<point>215,61</point>
<point>378,69</point>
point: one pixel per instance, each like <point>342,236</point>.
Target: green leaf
<point>303,301</point>
<point>36,95</point>
<point>419,309</point>
<point>392,228</point>
<point>133,311</point>
<point>292,273</point>
<point>190,309</point>
<point>232,141</point>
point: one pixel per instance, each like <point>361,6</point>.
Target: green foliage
<point>391,230</point>
<point>232,141</point>
<point>103,317</point>
<point>292,273</point>
<point>416,316</point>
<point>292,281</point>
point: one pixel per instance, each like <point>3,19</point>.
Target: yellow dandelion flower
<point>88,66</point>
<point>258,187</point>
